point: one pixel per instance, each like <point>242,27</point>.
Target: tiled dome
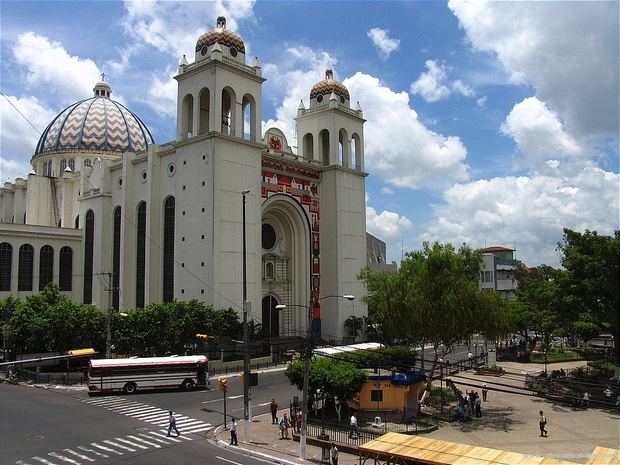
<point>98,124</point>
<point>329,85</point>
<point>222,36</point>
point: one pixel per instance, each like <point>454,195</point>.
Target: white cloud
<point>163,94</point>
<point>387,226</point>
<point>399,148</point>
<point>433,85</point>
<point>387,190</point>
<point>173,27</point>
<point>383,42</point>
<point>291,80</point>
<point>529,211</point>
<point>538,132</point>
<point>18,139</point>
<point>430,84</point>
<point>482,101</point>
<point>459,87</point>
<point>49,65</point>
<point>568,51</point>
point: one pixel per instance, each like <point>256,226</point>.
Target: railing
<point>341,107</point>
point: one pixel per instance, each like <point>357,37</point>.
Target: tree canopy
<point>434,298</point>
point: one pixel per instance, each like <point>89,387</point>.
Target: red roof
<point>497,248</point>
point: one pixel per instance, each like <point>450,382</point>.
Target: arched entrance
<point>285,240</point>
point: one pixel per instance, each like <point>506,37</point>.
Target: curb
<point>253,453</point>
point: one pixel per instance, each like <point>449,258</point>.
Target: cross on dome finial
<point>329,74</point>
<point>103,76</point>
<point>221,22</point>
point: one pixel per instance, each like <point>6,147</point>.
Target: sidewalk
<point>265,441</point>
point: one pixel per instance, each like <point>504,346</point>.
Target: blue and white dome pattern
<point>98,124</point>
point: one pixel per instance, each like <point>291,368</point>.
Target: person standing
<point>274,412</point>
<point>353,423</point>
<point>477,406</point>
<point>233,433</point>
<point>484,392</point>
<point>586,399</point>
<point>172,424</point>
<point>284,425</point>
<point>334,454</point>
<point>542,423</point>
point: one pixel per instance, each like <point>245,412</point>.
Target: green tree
<point>335,377</point>
<point>354,326</point>
<point>434,298</point>
<point>592,264</point>
<point>541,298</point>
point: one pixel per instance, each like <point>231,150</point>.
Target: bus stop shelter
<point>403,449</point>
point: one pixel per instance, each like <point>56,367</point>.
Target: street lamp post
<point>545,355</point>
<point>307,357</point>
<point>246,343</point>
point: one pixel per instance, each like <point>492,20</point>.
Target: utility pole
<point>246,340</point>
<point>108,338</point>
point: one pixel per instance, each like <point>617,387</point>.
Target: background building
<point>499,271</point>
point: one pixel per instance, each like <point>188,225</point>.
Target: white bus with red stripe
<point>135,374</point>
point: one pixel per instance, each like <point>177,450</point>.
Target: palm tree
<point>354,325</point>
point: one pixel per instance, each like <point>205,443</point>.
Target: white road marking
<point>46,462</point>
<point>133,444</point>
<point>161,435</point>
<point>226,460</point>
<point>235,397</point>
<point>64,458</point>
<point>120,446</point>
<point>207,428</point>
<point>86,449</point>
<point>82,456</point>
<point>107,449</point>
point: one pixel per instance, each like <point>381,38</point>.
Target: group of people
<point>472,405</point>
<point>284,423</point>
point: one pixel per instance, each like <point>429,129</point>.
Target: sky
<point>488,123</point>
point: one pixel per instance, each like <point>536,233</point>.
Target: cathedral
<point>119,222</point>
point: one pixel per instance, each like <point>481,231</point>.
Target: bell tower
<point>331,135</point>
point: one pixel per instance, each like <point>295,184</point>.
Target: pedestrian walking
<point>172,424</point>
<point>298,418</point>
<point>477,407</point>
<point>334,453</point>
<point>233,433</point>
<point>274,412</point>
<point>542,423</point>
<point>484,392</point>
<point>284,426</point>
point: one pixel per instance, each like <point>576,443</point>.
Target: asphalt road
<point>66,427</point>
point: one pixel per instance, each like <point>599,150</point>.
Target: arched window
<point>25,267</point>
<point>309,146</point>
<point>187,117</point>
<point>116,258</point>
<point>356,152</point>
<point>269,270</point>
<point>72,164</point>
<point>46,266</point>
<point>65,273</point>
<point>205,101</point>
<point>140,254</point>
<point>248,105</point>
<point>228,111</point>
<point>324,146</point>
<point>343,148</point>
<point>63,165</point>
<point>89,243</point>
<point>168,266</point>
<point>88,162</point>
<point>6,261</point>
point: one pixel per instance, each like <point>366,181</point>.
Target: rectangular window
<point>376,395</point>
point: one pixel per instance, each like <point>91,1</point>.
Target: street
<point>65,426</point>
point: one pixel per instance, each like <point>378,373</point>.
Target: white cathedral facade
<point>120,222</point>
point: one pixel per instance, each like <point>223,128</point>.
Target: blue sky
<point>490,123</point>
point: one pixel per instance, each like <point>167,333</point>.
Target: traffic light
<point>223,385</point>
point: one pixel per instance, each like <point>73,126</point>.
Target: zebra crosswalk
<point>105,449</point>
<point>149,414</point>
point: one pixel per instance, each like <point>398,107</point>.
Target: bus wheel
<point>187,385</point>
<point>130,388</point>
